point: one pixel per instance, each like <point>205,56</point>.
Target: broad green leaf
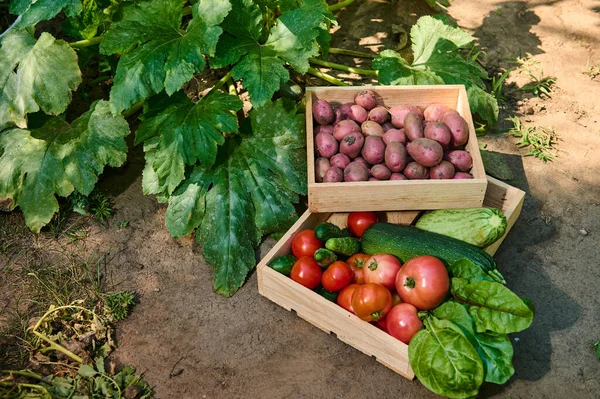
<point>259,56</point>
<point>46,73</point>
<point>444,360</point>
<point>163,55</point>
<point>494,307</point>
<point>87,370</point>
<point>495,350</point>
<point>185,133</point>
<point>248,192</point>
<point>57,158</point>
<point>436,60</point>
<point>94,14</point>
<point>466,269</point>
<point>31,12</point>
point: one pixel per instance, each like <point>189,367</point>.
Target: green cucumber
<point>408,242</point>
<point>324,231</point>
<point>478,226</point>
<point>283,264</point>
<point>346,246</point>
<point>329,295</point>
<point>324,257</point>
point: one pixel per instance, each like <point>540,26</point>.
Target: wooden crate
<point>399,194</point>
<point>330,317</point>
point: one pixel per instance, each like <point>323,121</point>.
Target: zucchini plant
<point>227,175</point>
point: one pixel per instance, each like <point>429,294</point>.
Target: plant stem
<point>326,77</point>
<point>58,347</point>
<point>231,86</point>
<point>368,72</point>
<point>32,386</point>
<point>86,42</point>
<point>221,82</point>
<point>186,10</point>
<point>134,108</point>
<point>352,53</point>
<point>24,373</point>
<point>339,5</point>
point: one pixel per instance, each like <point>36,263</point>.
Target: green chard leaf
<point>30,12</point>
<point>495,350</point>
<point>248,192</point>
<point>466,269</point>
<point>444,360</point>
<point>260,62</point>
<point>493,307</point>
<point>163,55</point>
<point>46,73</point>
<point>85,25</point>
<point>436,60</point>
<point>178,132</point>
<point>57,158</point>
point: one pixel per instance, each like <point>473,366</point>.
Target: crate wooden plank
<point>396,195</point>
<point>329,317</point>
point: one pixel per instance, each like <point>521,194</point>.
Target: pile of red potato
<point>363,141</point>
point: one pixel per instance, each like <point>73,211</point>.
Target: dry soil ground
<point>192,343</point>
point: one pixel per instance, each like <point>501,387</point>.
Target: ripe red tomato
<point>423,282</point>
<point>357,264</point>
<point>402,322</point>
<point>382,323</point>
<point>344,298</point>
<point>359,221</point>
<point>305,244</point>
<point>337,276</point>
<point>371,302</point>
<point>306,272</point>
<point>396,298</point>
<point>382,269</point>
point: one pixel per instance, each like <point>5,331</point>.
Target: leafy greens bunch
<point>465,339</point>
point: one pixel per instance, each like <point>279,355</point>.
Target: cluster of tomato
<point>375,288</point>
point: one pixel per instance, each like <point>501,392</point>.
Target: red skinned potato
<point>358,114</point>
<point>374,150</point>
<point>342,128</point>
<point>387,126</point>
<point>340,160</point>
<point>462,175</point>
<point>323,112</point>
<point>323,129</point>
<point>395,156</point>
<point>366,99</point>
<point>425,151</point>
<point>333,175</point>
<point>371,128</point>
<point>345,110</point>
<point>415,171</point>
<point>321,166</point>
<point>399,112</point>
<point>398,176</point>
<point>379,115</point>
<point>446,112</point>
<point>338,115</point>
<point>444,170</point>
<point>362,161</point>
<point>380,172</point>
<point>413,126</point>
<point>395,135</point>
<point>352,144</point>
<point>326,145</point>
<point>355,172</point>
<point>461,159</point>
<point>439,132</point>
<point>434,112</point>
<point>458,128</point>
<point>373,179</point>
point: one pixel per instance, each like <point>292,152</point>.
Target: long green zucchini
<point>408,242</point>
<point>478,226</point>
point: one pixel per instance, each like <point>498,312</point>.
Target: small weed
<point>122,224</point>
<point>100,206</point>
<point>592,70</point>
<point>596,347</point>
<point>540,85</point>
<point>498,85</point>
<point>119,305</point>
<point>539,140</point>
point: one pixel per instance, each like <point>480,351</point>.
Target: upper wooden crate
<point>399,194</point>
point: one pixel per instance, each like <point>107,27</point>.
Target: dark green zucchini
<point>408,242</point>
<point>324,231</point>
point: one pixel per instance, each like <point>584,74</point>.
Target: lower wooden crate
<point>330,317</point>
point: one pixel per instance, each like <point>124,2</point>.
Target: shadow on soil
<point>526,276</point>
